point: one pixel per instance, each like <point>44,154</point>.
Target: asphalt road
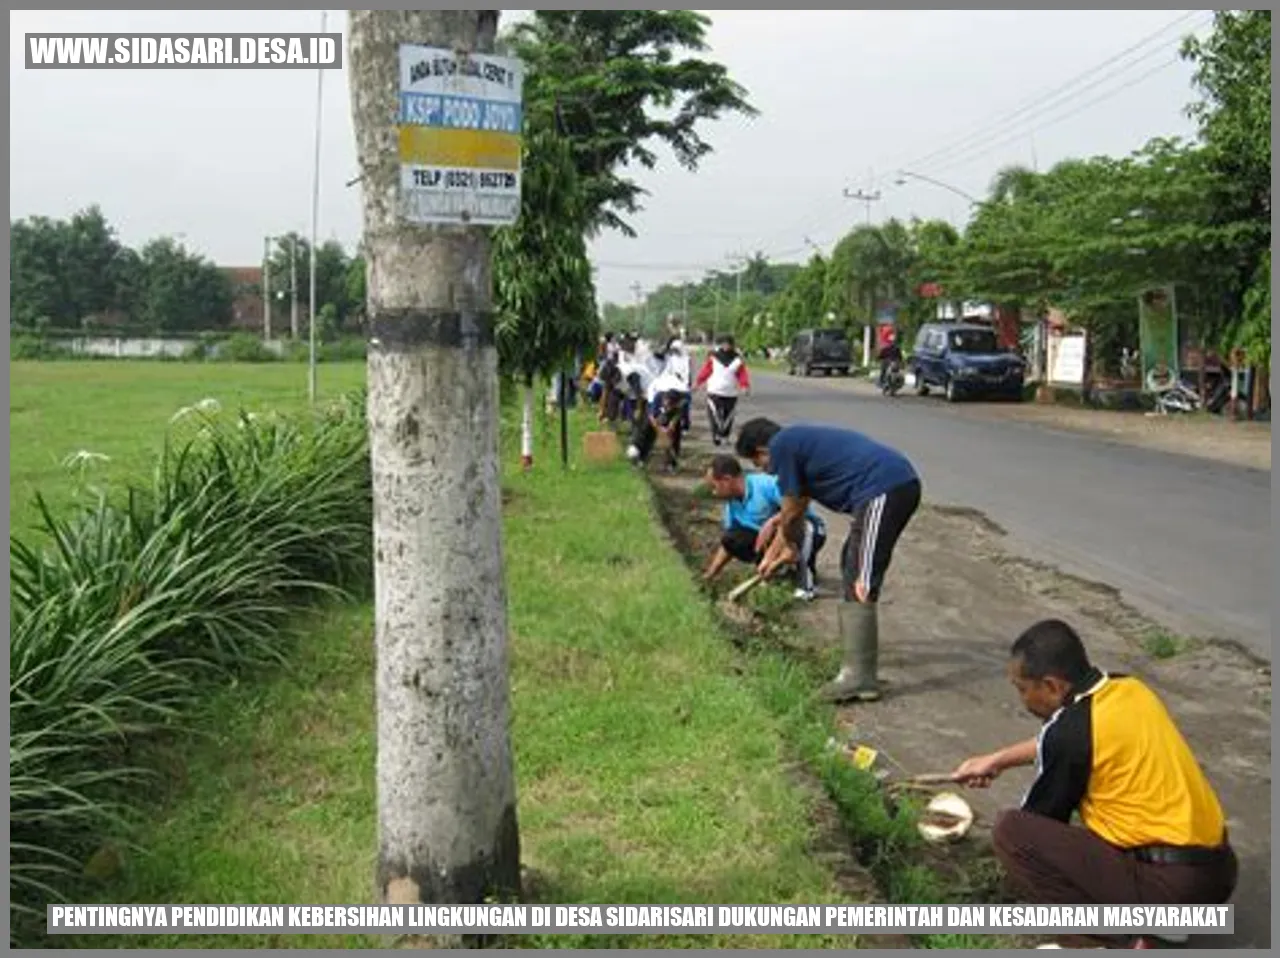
<point>1187,541</point>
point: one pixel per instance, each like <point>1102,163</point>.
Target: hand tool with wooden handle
<point>741,590</point>
<point>936,779</point>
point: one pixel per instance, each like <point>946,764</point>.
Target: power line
<point>959,161</point>
<point>805,219</point>
<point>713,266</point>
<point>1048,96</point>
<point>1020,130</point>
<point>1043,105</point>
<point>1041,99</point>
<point>1036,107</point>
<point>781,254</point>
<point>991,147</point>
<point>980,139</point>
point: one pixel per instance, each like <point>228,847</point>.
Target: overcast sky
<point>847,98</point>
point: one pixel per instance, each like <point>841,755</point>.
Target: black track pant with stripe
<point>720,411</point>
<point>873,533</point>
<point>740,542</point>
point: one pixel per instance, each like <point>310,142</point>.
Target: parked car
<point>965,360</point>
<point>825,349</point>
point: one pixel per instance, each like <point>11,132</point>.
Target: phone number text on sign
<point>459,122</point>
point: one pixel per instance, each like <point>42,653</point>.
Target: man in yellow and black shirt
<point>1154,831</point>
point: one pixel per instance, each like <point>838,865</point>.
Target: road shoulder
<point>1245,444</point>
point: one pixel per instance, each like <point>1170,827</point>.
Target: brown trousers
<point>1051,863</point>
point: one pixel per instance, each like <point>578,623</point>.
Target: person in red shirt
<point>725,377</point>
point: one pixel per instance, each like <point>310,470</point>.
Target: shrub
<point>134,609</point>
<point>34,347</point>
<point>204,348</point>
<point>346,349</point>
<point>246,348</point>
<point>295,351</point>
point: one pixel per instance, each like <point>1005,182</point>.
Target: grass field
<point>652,758</point>
<point>121,410</point>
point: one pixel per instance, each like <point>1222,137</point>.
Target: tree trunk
<point>526,426</point>
<point>447,829</point>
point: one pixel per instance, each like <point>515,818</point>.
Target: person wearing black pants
<point>720,410</point>
<point>847,472</point>
<point>750,500</point>
<point>661,417</point>
<point>725,376</point>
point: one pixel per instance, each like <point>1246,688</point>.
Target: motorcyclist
<point>889,354</point>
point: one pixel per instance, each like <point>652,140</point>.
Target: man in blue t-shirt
<point>847,472</point>
<point>750,501</point>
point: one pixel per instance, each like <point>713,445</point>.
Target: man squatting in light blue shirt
<point>750,501</point>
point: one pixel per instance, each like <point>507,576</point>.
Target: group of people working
<point>652,391</point>
<point>1152,829</point>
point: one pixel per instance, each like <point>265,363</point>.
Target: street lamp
<point>904,175</point>
<point>862,196</point>
<point>315,219</point>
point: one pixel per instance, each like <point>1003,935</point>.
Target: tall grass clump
<point>133,606</point>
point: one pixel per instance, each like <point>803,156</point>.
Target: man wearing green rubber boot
<point>847,472</point>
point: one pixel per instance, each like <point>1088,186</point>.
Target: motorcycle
<point>1180,399</point>
<point>893,380</point>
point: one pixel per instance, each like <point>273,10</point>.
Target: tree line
<point>1085,237</point>
<point>76,274</point>
<point>603,90</point>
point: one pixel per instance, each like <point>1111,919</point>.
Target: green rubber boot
<point>860,632</point>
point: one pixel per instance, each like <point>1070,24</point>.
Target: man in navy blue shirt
<point>845,471</point>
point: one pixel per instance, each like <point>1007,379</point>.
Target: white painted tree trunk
<point>526,427</point>
<point>447,827</point>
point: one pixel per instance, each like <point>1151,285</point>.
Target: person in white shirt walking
<point>725,376</point>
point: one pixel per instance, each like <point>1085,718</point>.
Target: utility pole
<point>293,285</point>
<point>266,288</point>
<point>864,196</point>
<point>640,317</point>
<point>684,307</point>
<point>446,797</point>
<point>315,225</point>
<point>739,263</point>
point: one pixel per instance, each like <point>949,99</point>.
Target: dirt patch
<point>954,601</point>
<point>1242,443</point>
<point>980,518</point>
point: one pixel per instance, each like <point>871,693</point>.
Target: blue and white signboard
<point>460,119</point>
